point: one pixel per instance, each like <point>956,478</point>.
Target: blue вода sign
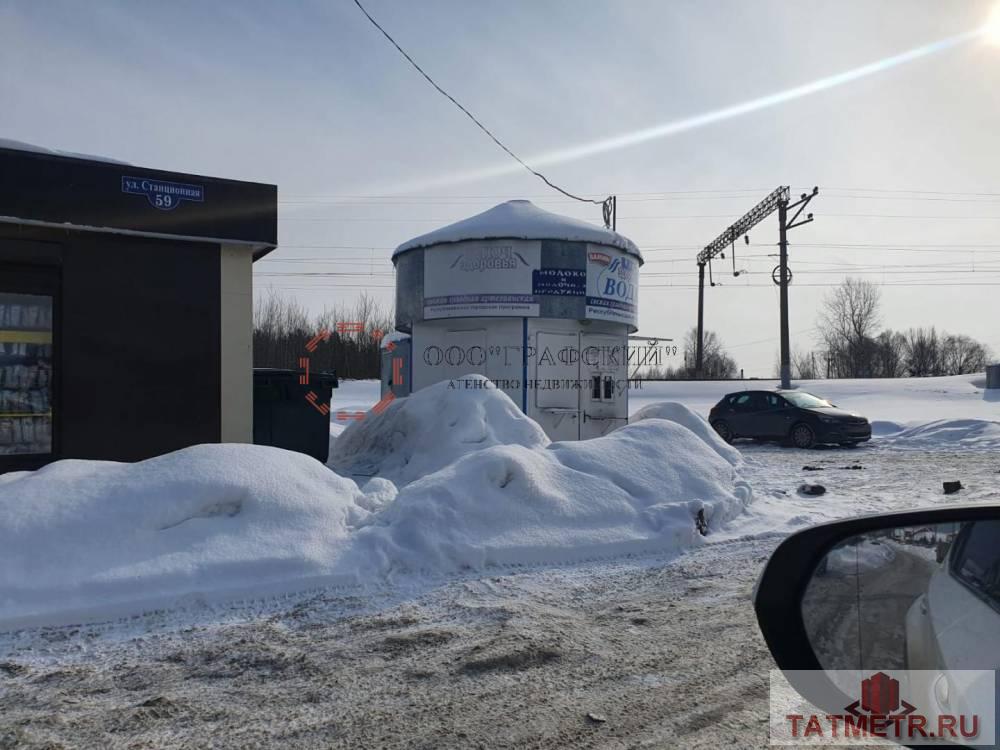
<point>163,195</point>
<point>612,291</point>
<point>559,282</point>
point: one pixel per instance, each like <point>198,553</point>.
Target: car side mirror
<point>890,623</point>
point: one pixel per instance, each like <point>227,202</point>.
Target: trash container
<point>993,376</point>
<point>290,414</point>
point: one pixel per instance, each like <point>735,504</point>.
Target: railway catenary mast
<point>778,200</point>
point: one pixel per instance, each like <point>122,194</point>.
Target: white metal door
<point>556,396</point>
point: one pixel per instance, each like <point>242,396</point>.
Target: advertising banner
<point>612,285</point>
<point>481,278</point>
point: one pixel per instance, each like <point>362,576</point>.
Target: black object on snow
<point>812,489</point>
<point>701,523</point>
<point>950,488</point>
<point>284,414</point>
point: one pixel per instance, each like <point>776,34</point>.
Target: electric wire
<point>471,116</point>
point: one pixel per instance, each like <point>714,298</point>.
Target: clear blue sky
<point>309,96</point>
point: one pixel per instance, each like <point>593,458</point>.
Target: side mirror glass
<point>919,597</point>
<point>893,618</point>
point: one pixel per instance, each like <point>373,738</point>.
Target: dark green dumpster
<point>292,414</point>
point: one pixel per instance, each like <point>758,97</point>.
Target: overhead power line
<point>650,217</point>
<point>821,285</point>
<point>472,117</point>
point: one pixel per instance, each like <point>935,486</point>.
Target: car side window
<point>741,402</point>
<point>775,401</point>
<point>977,561</point>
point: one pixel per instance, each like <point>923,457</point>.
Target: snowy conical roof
<point>521,220</point>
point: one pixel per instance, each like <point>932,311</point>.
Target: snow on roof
<point>521,219</point>
<point>22,146</point>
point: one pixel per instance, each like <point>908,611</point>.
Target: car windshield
<point>807,401</point>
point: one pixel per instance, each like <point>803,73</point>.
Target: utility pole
<point>786,365</point>
<point>783,277</point>
<point>609,207</point>
<point>699,355</point>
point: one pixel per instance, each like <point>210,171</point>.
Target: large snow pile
<point>636,490</point>
<point>90,534</point>
<point>865,555</point>
<point>682,415</point>
<point>420,434</point>
<point>89,539</point>
<point>976,434</point>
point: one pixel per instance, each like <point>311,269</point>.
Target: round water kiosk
<point>540,304</point>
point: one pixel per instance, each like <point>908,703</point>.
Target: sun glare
<point>992,27</point>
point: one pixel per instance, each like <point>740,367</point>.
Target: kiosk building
<point>540,304</point>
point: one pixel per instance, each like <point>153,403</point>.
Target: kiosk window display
<point>26,368</point>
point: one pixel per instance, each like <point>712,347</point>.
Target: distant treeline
<point>917,353</point>
<point>716,363</point>
<point>282,328</point>
<point>852,344</point>
<point>855,347</point>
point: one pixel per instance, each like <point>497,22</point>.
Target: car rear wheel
<point>802,436</point>
<point>723,429</point>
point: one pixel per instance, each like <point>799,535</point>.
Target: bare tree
<point>848,323</point>
<point>716,364</point>
<point>923,352</point>
<point>961,355</point>
<point>805,366</point>
<point>890,355</point>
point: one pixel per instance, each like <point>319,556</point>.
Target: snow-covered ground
<point>889,404</point>
<point>508,593</point>
<point>903,401</point>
